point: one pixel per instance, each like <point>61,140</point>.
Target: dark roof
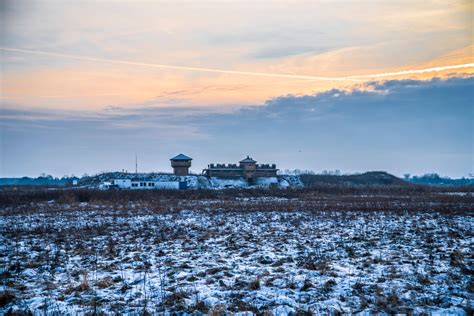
<point>181,157</point>
<point>248,159</point>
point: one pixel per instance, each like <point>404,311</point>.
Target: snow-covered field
<point>198,257</point>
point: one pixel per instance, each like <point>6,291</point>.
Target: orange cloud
<point>94,85</point>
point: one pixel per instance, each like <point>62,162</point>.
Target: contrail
<point>133,63</point>
<point>235,72</point>
<point>413,71</point>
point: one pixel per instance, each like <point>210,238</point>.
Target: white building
<point>136,184</point>
<point>122,183</point>
<point>105,185</point>
<point>141,185</point>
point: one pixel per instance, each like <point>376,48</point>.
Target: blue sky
<point>351,85</point>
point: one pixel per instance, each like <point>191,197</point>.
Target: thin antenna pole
<point>136,164</point>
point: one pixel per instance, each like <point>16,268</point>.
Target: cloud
<point>435,97</point>
<point>398,125</point>
<point>134,43</point>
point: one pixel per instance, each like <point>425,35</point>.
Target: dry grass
<point>237,250</point>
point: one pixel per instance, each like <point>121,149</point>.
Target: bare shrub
<point>306,285</point>
<point>328,285</point>
<point>314,262</point>
<point>255,284</point>
<point>105,282</point>
<point>6,298</point>
<point>176,299</point>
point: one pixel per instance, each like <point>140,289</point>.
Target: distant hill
<point>374,178</point>
<point>192,181</point>
<point>39,181</point>
<point>95,180</point>
<point>367,178</point>
<point>435,179</point>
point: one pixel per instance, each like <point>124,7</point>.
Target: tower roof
<point>181,157</point>
<point>248,159</point>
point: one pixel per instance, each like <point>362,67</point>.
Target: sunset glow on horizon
<point>214,68</point>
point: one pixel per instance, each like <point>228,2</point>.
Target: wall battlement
<point>247,168</point>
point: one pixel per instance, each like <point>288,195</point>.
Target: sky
<point>321,85</point>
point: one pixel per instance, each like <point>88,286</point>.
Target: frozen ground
<point>196,256</point>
